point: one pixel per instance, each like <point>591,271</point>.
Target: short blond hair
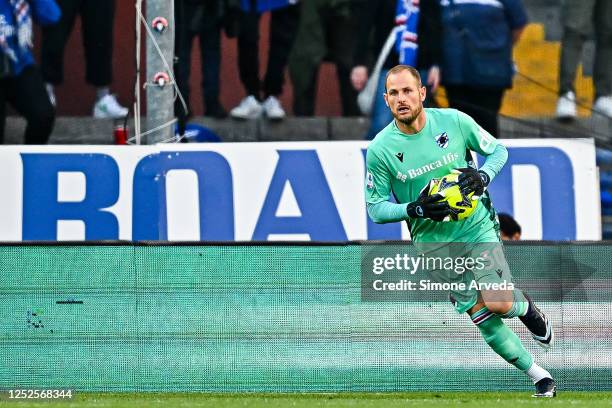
<point>399,68</point>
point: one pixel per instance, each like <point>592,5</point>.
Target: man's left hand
<point>472,181</point>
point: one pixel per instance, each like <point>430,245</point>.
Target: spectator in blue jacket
<point>21,82</point>
<point>477,41</point>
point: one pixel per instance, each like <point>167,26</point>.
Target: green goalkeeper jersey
<point>402,164</point>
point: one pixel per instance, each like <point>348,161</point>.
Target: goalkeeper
<point>422,144</point>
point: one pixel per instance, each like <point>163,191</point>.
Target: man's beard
<point>410,119</point>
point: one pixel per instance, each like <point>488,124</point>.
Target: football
<point>462,205</point>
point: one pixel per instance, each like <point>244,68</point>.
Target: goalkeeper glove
<point>472,181</point>
<point>427,206</point>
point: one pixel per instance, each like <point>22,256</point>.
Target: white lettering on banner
<point>316,190</point>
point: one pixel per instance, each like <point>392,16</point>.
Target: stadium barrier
<point>120,316</point>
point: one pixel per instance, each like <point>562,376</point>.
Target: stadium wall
<point>277,317</point>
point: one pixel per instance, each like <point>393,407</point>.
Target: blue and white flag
<point>407,15</point>
<point>22,29</point>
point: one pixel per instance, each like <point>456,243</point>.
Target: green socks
<point>501,339</point>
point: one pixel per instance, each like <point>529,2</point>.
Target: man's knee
<point>44,114</point>
<point>42,118</point>
<point>498,306</point>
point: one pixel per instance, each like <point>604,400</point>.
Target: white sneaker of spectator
<point>108,108</point>
<point>273,108</point>
<point>249,108</point>
<point>566,106</point>
<point>603,105</point>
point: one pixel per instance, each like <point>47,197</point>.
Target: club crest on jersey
<point>369,181</point>
<point>442,140</point>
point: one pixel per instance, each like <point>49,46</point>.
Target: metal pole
<point>160,99</point>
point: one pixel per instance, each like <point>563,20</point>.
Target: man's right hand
<point>427,206</point>
<point>359,77</point>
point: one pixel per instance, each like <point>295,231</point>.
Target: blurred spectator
<point>204,19</point>
<point>21,82</point>
<point>509,228</point>
<point>477,41</point>
<point>326,30</point>
<point>579,18</point>
<point>283,27</point>
<point>97,17</point>
<point>376,19</point>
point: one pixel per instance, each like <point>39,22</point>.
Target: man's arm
<point>45,12</point>
<point>381,211</point>
<point>386,211</point>
<point>495,161</point>
<point>481,141</point>
<point>378,191</point>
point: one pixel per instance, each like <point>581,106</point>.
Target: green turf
<point>367,400</point>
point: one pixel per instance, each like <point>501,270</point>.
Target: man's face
<point>404,97</point>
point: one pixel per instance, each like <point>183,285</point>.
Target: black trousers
<point>283,28</point>
<point>97,17</point>
<point>27,94</point>
<point>203,21</point>
<point>326,32</point>
<point>482,104</point>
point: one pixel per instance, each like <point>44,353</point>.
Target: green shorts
<point>488,269</point>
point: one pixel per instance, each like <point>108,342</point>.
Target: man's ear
<point>423,93</point>
<point>386,101</point>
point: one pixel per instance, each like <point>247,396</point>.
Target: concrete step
<point>86,130</point>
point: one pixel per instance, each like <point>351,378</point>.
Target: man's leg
<point>577,21</point>
<point>26,92</point>
<point>487,308</point>
<point>54,39</point>
<point>509,347</point>
<point>305,57</point>
<point>98,19</point>
<point>509,303</point>
<point>283,27</point>
<point>515,303</point>
<point>602,75</point>
<point>210,48</point>
<point>341,26</point>
<point>182,67</point>
<point>248,52</point>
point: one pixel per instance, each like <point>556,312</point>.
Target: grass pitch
<point>365,400</point>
